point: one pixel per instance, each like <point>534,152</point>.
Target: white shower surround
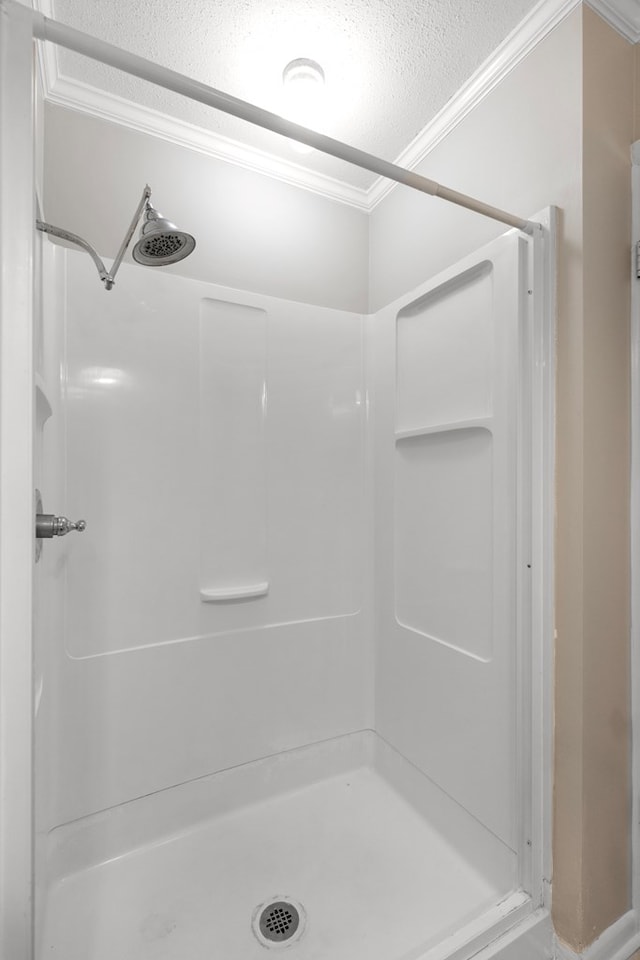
<point>146,333</point>
<point>542,414</point>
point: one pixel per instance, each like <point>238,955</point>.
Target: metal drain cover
<point>279,921</point>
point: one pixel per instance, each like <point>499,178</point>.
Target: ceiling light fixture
<point>303,81</point>
<point>303,71</point>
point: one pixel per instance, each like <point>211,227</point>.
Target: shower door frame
<point>17,214</point>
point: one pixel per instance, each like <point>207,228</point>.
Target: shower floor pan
<point>338,828</point>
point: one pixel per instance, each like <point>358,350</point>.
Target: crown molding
<point>622,15</point>
<point>82,97</point>
<point>521,41</point>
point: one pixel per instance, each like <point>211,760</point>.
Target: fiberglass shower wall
<point>221,426</point>
<point>214,439</point>
<point>213,613</point>
<point>451,413</point>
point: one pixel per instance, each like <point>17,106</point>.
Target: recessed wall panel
<point>131,394</point>
<point>232,469</point>
<point>444,538</point>
<point>445,351</point>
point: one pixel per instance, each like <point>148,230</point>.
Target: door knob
<point>47,525</point>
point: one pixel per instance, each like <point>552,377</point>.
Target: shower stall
<point>290,683</point>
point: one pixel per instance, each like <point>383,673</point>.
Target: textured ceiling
<point>390,67</point>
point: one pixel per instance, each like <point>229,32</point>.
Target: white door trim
<point>635,528</point>
<point>16,479</point>
<point>542,614</point>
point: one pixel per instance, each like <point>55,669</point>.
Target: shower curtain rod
<point>44,28</point>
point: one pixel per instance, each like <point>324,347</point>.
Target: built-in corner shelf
<point>242,591</point>
<point>43,404</point>
<point>482,423</point>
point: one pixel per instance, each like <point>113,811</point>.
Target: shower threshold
<point>379,863</point>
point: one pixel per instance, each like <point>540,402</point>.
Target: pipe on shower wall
<point>44,28</point>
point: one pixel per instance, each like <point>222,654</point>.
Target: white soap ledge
<point>240,591</point>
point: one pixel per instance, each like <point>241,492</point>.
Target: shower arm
<point>74,238</point>
<point>107,276</point>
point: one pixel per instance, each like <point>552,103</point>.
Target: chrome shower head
<point>160,241</point>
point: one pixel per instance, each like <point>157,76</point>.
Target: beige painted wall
<point>592,778</point>
<point>608,133</point>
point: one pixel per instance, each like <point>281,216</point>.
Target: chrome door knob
<point>47,526</point>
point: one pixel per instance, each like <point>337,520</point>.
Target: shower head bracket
<point>107,276</point>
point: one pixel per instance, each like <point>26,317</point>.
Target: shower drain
<point>278,922</point>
